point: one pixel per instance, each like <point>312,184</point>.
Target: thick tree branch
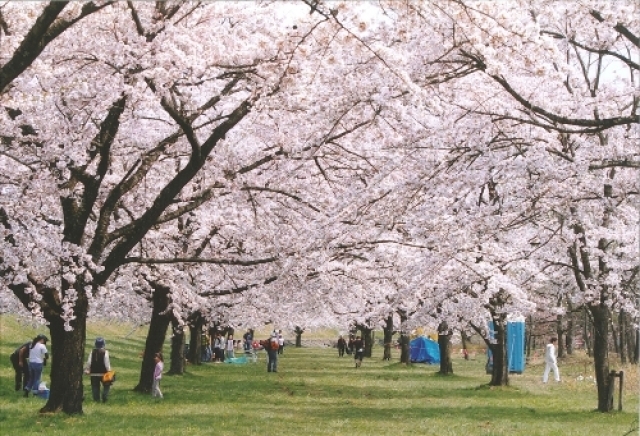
<point>44,30</point>
<point>231,262</point>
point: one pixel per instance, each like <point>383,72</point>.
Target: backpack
<point>273,344</point>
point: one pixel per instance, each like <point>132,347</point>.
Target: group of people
<point>354,346</point>
<point>222,348</point>
<point>218,349</point>
<point>28,361</point>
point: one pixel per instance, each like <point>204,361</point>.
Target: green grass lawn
<point>317,393</point>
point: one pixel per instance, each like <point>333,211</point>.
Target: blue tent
<point>424,350</point>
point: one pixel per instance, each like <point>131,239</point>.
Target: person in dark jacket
<point>342,344</point>
<point>271,347</point>
<point>358,350</point>
<point>97,364</point>
<point>20,361</point>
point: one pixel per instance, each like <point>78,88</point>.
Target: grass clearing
<point>317,393</point>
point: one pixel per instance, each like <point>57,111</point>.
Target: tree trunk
<point>298,331</point>
<point>155,338</point>
<point>195,340</point>
<point>622,330</point>
<point>569,332</point>
<point>587,332</point>
<point>405,352</point>
<point>500,372</point>
<point>388,337</point>
<point>601,354</point>
<point>465,344</point>
<point>367,337</point>
<point>177,350</point>
<point>405,355</point>
<point>631,342</point>
<point>529,336</point>
<point>559,333</point>
<point>67,361</point>
<point>636,349</point>
<point>444,343</point>
<point>614,335</point>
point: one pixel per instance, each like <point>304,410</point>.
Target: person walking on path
<point>20,361</point>
<point>157,376</point>
<point>97,365</point>
<point>342,344</point>
<point>38,355</point>
<point>358,349</point>
<point>551,362</point>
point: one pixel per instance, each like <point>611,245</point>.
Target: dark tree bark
<point>497,346</point>
<point>177,350</point>
<point>614,336</point>
<point>46,28</point>
<point>195,339</point>
<point>530,338</point>
<point>601,354</point>
<point>586,334</point>
<point>444,344</point>
<point>298,331</point>
<point>465,344</point>
<point>570,327</point>
<point>367,337</point>
<point>622,329</point>
<point>155,337</point>
<point>500,373</point>
<point>388,337</point>
<point>560,333</point>
<point>67,361</point>
<point>405,354</point>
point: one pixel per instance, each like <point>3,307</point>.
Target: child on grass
<point>157,375</point>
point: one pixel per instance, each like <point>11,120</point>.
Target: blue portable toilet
<point>424,350</point>
<point>515,344</point>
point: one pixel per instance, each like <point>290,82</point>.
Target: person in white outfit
<point>551,362</point>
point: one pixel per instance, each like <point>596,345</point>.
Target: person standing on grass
<point>157,376</point>
<point>358,349</point>
<point>551,362</point>
<point>230,347</point>
<point>271,346</point>
<point>280,342</point>
<point>350,344</point>
<point>97,365</point>
<point>38,356</point>
<point>218,353</point>
<point>20,361</point>
<point>342,344</point>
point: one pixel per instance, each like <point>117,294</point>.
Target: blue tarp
<point>424,350</point>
